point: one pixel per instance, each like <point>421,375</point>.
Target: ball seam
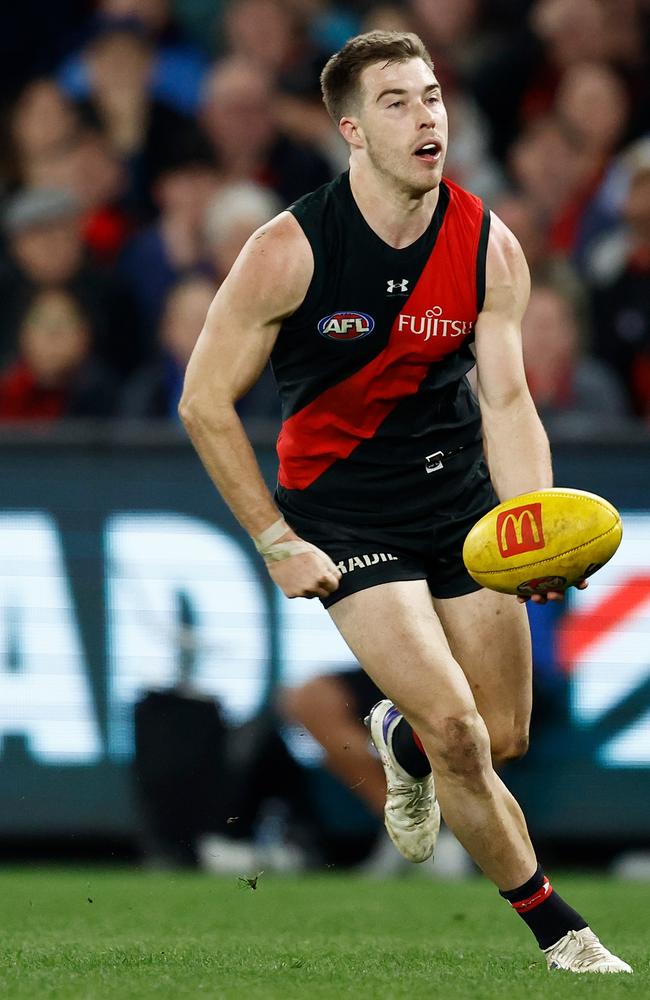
<point>540,562</point>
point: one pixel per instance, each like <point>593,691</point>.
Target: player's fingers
<point>582,585</point>
<point>331,566</point>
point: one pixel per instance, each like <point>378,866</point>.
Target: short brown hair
<point>340,77</point>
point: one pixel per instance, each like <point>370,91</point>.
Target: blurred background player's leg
<point>332,707</point>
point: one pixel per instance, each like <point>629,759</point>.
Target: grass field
<point>128,935</point>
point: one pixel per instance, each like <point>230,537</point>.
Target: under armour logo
<point>397,286</point>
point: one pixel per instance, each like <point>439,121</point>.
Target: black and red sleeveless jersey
<point>371,368</point>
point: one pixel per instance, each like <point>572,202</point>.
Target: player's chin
<point>427,176</point>
<point>423,184</point>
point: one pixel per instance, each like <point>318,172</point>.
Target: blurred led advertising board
<point>121,571</point>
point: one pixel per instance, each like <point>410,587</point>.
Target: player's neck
<point>397,216</point>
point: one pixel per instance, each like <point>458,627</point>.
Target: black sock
<point>408,750</point>
<point>546,913</point>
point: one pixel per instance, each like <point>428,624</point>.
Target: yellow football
<point>541,541</point>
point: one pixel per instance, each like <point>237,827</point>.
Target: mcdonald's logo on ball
<point>520,529</point>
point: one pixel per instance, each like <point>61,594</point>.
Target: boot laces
<point>417,799</point>
<point>590,949</point>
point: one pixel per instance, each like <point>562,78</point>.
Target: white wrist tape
<point>270,535</point>
<point>272,550</point>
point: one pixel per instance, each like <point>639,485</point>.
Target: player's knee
<point>510,745</point>
<point>463,749</point>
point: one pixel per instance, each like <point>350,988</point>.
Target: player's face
<point>403,123</point>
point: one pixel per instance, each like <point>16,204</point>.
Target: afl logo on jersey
<point>346,326</point>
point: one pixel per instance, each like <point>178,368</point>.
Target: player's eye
<point>396,104</point>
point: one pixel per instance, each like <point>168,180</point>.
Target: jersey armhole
<point>481,259</point>
<point>313,289</point>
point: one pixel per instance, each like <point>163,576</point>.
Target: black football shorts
<point>431,549</point>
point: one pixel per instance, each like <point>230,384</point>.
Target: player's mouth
<point>429,150</point>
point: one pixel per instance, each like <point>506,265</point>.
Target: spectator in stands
<point>522,216</point>
<point>622,297</point>
<point>86,166</point>
<point>451,30</point>
<point>45,250</point>
<point>154,391</point>
<point>592,100</point>
<point>239,119</point>
<point>158,255</point>
<point>55,375</point>
<point>593,104</point>
<point>41,122</point>
<point>233,215</point>
<point>572,391</point>
<point>551,168</point>
<point>200,21</point>
<point>141,130</point>
<point>387,17</point>
<point>178,65</point>
<point>518,75</point>
<point>273,35</point>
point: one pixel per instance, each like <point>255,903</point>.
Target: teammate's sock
<point>546,913</point>
<point>408,750</point>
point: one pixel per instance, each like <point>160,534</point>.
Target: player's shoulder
<point>276,241</point>
<point>275,265</point>
<point>507,276</point>
<point>504,250</point>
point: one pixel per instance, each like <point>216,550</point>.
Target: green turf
<point>130,935</point>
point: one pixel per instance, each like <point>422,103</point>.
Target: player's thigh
<point>396,635</point>
<point>489,635</point>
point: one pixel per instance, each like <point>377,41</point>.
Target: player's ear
<point>351,131</point>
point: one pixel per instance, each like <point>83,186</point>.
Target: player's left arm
<point>516,444</point>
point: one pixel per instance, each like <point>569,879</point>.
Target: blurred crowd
<point>145,140</point>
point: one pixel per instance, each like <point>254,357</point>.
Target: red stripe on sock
<point>418,743</point>
<point>525,905</point>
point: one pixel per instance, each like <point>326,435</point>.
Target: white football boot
<point>581,951</point>
<point>411,813</point>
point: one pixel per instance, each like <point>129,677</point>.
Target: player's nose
<point>426,115</point>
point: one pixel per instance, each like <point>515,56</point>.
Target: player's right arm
<point>267,283</point>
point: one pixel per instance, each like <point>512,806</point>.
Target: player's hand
<point>553,595</point>
<point>307,574</point>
